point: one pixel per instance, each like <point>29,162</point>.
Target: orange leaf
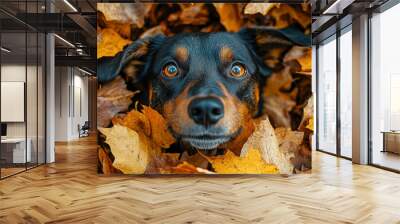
<point>159,129</point>
<point>134,120</point>
<point>149,122</point>
<point>230,16</point>
<point>109,43</point>
<point>251,163</point>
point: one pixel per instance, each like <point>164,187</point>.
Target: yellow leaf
<point>109,43</point>
<point>310,125</point>
<point>251,163</point>
<point>264,139</point>
<point>132,151</point>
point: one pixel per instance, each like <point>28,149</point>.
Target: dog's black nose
<point>206,111</point>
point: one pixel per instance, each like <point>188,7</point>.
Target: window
<point>346,93</point>
<point>385,89</point>
<point>327,96</point>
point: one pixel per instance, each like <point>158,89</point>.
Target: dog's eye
<point>238,70</point>
<point>170,70</point>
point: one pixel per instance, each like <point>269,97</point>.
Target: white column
<point>360,90</point>
<point>50,99</point>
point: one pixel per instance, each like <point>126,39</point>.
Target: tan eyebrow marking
<point>182,53</point>
<point>225,54</point>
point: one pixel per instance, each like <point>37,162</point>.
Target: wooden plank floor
<point>70,191</point>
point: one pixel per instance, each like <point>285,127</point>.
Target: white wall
<point>71,102</point>
<point>12,73</point>
<point>33,127</point>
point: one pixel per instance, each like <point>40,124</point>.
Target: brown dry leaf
<point>230,16</point>
<point>278,103</point>
<point>109,43</point>
<point>192,14</point>
<point>163,161</point>
<point>295,147</point>
<point>101,20</point>
<point>124,29</point>
<point>132,151</point>
<point>265,140</point>
<point>125,13</point>
<point>278,108</point>
<point>263,8</point>
<point>306,7</point>
<point>289,140</point>
<point>112,98</point>
<point>285,15</point>
<point>250,163</point>
<point>308,112</point>
<point>105,161</point>
<point>196,159</point>
<point>300,55</point>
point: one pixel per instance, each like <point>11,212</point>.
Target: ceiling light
<point>65,41</point>
<point>5,50</point>
<point>337,7</point>
<point>84,71</point>
<point>70,5</point>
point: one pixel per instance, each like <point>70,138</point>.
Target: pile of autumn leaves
<point>137,141</point>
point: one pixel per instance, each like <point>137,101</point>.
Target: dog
<point>208,86</point>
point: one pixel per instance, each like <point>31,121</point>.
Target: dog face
<point>205,85</point>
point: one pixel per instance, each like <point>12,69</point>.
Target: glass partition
<point>15,151</point>
<point>22,88</point>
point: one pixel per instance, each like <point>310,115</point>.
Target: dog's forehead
<point>191,43</point>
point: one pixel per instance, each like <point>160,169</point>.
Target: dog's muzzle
<point>206,142</point>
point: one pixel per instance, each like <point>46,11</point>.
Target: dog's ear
<point>271,44</point>
<point>132,63</point>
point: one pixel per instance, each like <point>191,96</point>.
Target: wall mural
<point>202,88</point>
